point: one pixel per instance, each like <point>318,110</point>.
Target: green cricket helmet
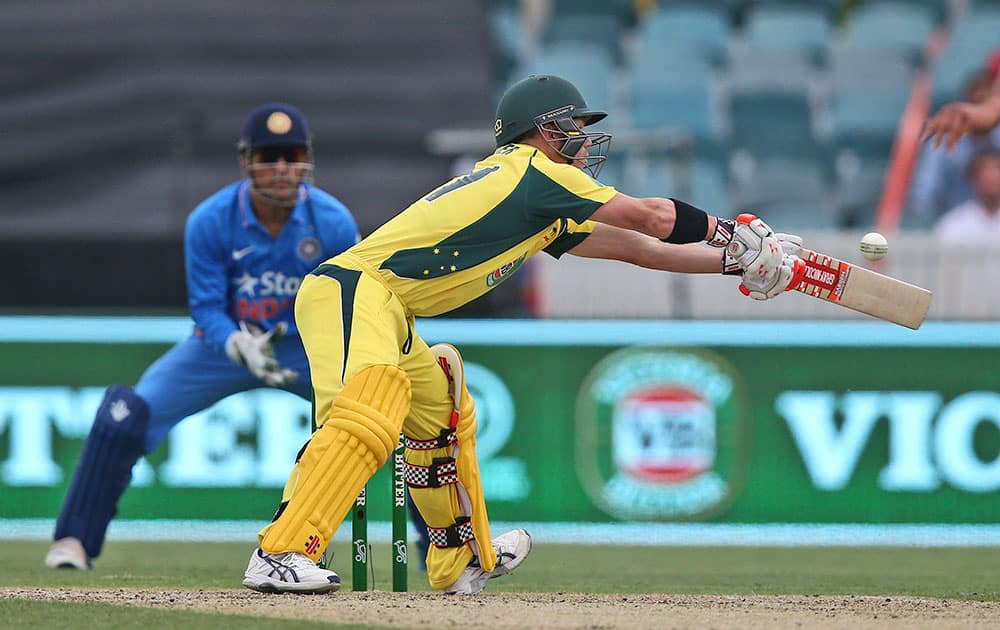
<point>550,103</point>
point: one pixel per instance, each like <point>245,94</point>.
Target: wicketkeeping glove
<point>253,348</point>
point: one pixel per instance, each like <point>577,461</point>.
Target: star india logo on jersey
<point>662,434</point>
<point>264,296</point>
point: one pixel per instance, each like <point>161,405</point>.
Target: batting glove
<point>786,277</point>
<point>768,261</point>
<point>790,243</point>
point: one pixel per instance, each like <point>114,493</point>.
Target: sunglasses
<point>290,154</point>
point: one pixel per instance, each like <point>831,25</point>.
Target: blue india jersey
<point>237,271</point>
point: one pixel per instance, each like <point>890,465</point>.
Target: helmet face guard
<point>570,139</point>
<point>281,189</point>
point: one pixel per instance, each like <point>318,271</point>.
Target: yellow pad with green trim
<point>363,428</point>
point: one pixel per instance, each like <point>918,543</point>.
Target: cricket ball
<point>873,246</point>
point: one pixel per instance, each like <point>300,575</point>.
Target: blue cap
<point>274,124</point>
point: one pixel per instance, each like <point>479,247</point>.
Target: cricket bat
<point>863,290</point>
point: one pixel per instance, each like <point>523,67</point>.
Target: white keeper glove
<point>769,261</point>
<point>253,348</point>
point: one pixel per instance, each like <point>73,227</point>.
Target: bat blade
<point>863,290</point>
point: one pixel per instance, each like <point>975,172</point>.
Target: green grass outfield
<point>952,573</point>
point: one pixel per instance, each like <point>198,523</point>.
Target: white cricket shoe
<point>67,553</point>
<point>512,548</point>
<point>289,572</point>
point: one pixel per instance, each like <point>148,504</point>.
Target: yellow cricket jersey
<point>469,235</point>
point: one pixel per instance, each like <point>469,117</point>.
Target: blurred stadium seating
<point>684,31</point>
<point>889,26</point>
<point>972,35</point>
<point>702,181</point>
<point>867,97</point>
<point>784,99</point>
<point>800,30</point>
<point>676,90</point>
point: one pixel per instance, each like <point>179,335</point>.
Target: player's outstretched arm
<point>614,243</point>
<point>666,219</point>
<point>954,120</point>
<point>751,248</point>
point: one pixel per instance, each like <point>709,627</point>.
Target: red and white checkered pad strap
<point>441,472</point>
<point>445,439</point>
<point>455,535</point>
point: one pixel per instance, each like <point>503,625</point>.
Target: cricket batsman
<point>374,376</point>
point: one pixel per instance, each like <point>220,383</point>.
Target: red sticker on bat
<point>824,274</point>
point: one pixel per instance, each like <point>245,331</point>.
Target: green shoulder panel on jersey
<point>555,201</point>
<point>574,193</point>
<point>510,222</point>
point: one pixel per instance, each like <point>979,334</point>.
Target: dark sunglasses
<point>291,154</point>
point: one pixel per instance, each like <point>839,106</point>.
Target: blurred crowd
<point>957,192</point>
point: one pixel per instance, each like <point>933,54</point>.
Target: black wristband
<point>690,224</point>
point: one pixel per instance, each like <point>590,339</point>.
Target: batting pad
<point>471,483</point>
<point>363,429</point>
<point>465,498</point>
<point>440,507</point>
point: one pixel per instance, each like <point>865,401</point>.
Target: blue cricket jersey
<point>237,271</point>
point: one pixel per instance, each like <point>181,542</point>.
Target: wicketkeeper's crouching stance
<point>374,377</point>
